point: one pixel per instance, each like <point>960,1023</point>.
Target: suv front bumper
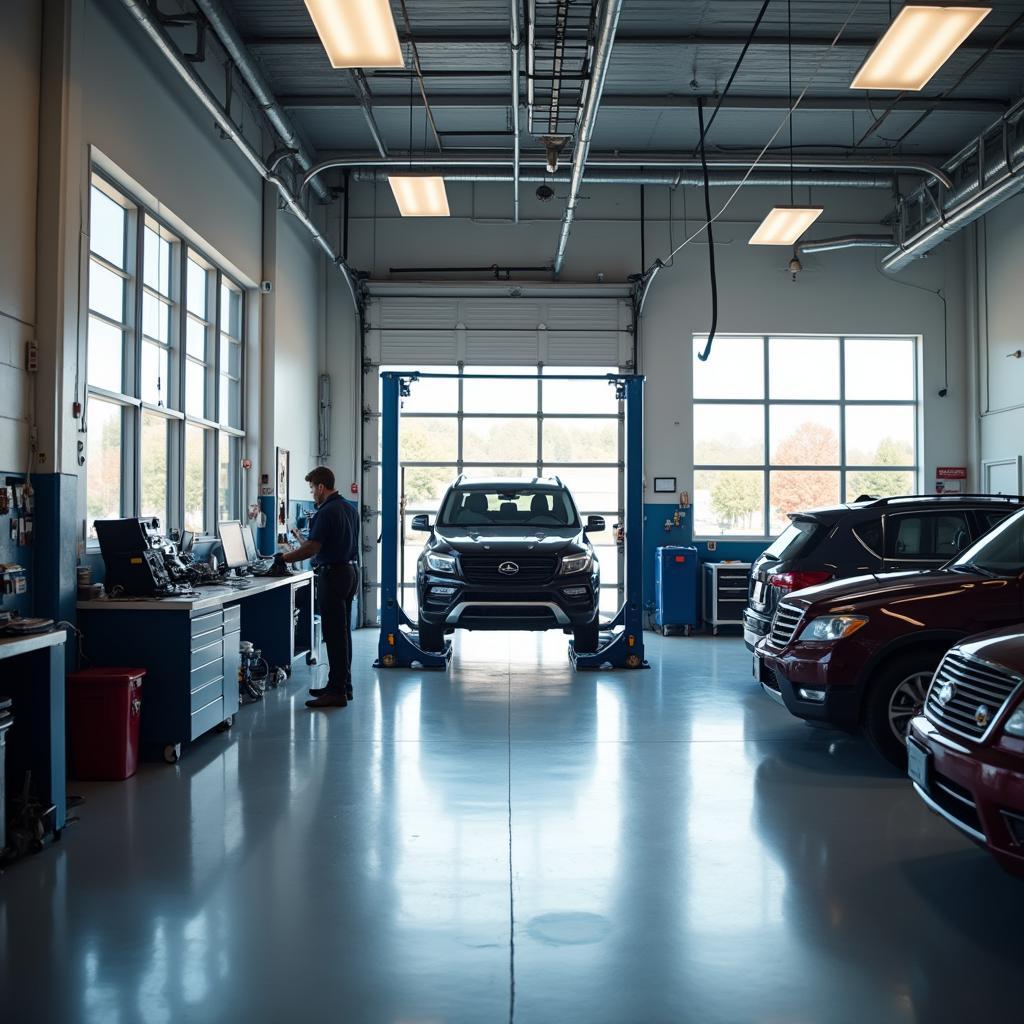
<point>564,604</point>
<point>755,627</point>
<point>784,675</point>
<point>980,792</point>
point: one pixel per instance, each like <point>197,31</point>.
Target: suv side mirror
<point>421,523</point>
<point>595,524</point>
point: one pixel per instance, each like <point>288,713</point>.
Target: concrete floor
<point>513,842</point>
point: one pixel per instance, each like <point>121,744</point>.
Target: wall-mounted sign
<point>664,484</point>
<point>951,473</point>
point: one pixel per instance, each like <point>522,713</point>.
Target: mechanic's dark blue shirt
<point>336,527</point>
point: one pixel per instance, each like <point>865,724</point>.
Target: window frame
<point>172,399</point>
<point>844,468</point>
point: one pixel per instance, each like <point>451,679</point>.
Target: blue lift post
<point>626,649</point>
<point>396,648</point>
<point>399,649</point>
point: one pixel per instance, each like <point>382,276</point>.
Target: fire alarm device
<point>246,463</point>
<point>354,488</point>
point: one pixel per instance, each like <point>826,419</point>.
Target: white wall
<point>841,292</point>
<point>997,282</point>
<point>20,25</point>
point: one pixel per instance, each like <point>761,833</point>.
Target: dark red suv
<point>860,653</point>
<point>966,752</point>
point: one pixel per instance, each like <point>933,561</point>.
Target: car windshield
<point>1000,551</point>
<point>500,506</point>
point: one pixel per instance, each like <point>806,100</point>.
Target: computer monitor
<point>250,543</point>
<point>187,542</point>
<point>231,541</point>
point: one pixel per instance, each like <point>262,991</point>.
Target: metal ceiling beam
<point>630,102</point>
<point>975,44</point>
<point>514,44</point>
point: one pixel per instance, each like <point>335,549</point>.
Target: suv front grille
<point>978,694</point>
<point>787,618</point>
<point>533,569</point>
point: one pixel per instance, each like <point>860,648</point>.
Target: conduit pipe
<point>515,110</point>
<point>232,42</point>
<point>634,162</point>
<point>588,121</point>
<point>816,245</point>
<point>671,179</point>
<point>156,32</point>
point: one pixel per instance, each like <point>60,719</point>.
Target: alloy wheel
<point>907,700</point>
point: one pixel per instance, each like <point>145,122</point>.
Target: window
<point>513,428</point>
<point>784,424</point>
<point>163,441</point>
<point>926,537</point>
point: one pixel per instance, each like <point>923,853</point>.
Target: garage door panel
<point>414,313</point>
<point>576,348</point>
<point>487,313</point>
<point>584,315</point>
<point>501,347</point>
<point>412,349</point>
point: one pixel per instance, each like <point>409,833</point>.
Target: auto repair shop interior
<point>665,357</point>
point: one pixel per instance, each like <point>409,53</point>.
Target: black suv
<point>866,536</point>
<point>508,554</point>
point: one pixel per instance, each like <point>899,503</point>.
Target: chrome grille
<point>787,618</point>
<point>975,684</point>
<point>533,569</point>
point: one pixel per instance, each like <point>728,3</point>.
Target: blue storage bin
<point>676,589</point>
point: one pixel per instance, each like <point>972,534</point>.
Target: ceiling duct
<point>985,174</point>
<point>815,245</point>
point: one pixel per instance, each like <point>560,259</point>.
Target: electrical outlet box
<point>31,356</point>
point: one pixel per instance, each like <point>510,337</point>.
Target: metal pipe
<point>844,242</point>
<point>588,121</point>
<point>365,100</point>
<point>515,42</point>
<point>669,178</point>
<point>628,162</point>
<point>232,42</point>
<point>997,179</point>
<point>142,14</point>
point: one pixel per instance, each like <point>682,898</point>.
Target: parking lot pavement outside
<point>513,841</point>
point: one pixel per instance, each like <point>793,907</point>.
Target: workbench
<point>32,675</point>
<point>189,647</point>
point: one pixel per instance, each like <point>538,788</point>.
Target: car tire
<point>897,694</point>
<point>431,637</point>
<point>585,639</point>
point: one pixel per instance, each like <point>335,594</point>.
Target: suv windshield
<point>1000,551</point>
<point>518,506</point>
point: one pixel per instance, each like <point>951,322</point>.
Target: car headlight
<point>828,628</point>
<point>441,563</point>
<point>575,563</point>
<point>1015,723</point>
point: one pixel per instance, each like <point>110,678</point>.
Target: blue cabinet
<point>676,586</point>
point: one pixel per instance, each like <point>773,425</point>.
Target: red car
<point>860,653</point>
<point>965,754</point>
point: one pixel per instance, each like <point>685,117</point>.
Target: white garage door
<point>493,427</point>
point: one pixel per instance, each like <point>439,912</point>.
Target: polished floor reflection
<point>511,841</point>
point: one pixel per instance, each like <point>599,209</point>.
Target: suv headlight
<point>829,628</point>
<point>575,563</point>
<point>441,563</point>
<point>1015,723</point>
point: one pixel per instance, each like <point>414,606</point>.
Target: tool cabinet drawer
<point>232,618</point>
<point>206,623</point>
<point>207,717</point>
<point>206,693</point>
<point>213,652</point>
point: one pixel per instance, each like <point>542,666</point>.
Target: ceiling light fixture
<point>920,40</point>
<point>785,224</point>
<point>419,196</point>
<point>357,33</point>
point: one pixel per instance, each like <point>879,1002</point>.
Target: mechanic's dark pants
<point>336,587</point>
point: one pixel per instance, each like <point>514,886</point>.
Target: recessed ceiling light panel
<point>918,42</point>
<point>357,33</point>
<point>419,196</point>
<point>785,224</point>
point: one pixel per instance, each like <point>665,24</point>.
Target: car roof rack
<point>1015,498</point>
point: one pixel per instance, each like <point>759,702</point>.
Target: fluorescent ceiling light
<point>420,196</point>
<point>785,224</point>
<point>916,45</point>
<point>357,33</point>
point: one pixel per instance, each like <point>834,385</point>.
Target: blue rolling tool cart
<point>676,589</point>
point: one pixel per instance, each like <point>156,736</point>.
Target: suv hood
<point>999,646</point>
<point>861,592</point>
<point>501,540</point>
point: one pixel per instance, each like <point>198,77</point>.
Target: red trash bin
<point>104,707</point>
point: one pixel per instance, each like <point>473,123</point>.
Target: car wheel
<point>896,696</point>
<point>431,637</point>
<point>586,638</point>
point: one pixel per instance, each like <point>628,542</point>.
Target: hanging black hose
<point>703,356</point>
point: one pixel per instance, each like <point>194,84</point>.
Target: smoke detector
<point>545,193</point>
